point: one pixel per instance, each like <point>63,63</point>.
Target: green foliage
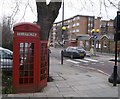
<point>8,45</point>
<point>7,82</point>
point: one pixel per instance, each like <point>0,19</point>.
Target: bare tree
<point>47,13</point>
<point>6,33</point>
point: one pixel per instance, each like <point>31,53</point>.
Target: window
<point>54,25</point>
<point>26,63</point>
<point>77,30</point>
<point>78,17</point>
<point>111,24</point>
<point>68,26</point>
<point>68,21</point>
<point>74,25</point>
<point>90,19</point>
<point>77,24</point>
<point>89,31</point>
<point>54,29</point>
<point>73,31</point>
<point>91,25</point>
<point>88,25</point>
<point>74,19</point>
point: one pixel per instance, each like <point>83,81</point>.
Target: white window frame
<point>74,25</point>
<point>77,30</point>
<point>77,24</point>
<point>73,31</point>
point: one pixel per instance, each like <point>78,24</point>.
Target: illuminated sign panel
<point>26,34</point>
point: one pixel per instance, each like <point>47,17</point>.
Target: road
<point>99,62</point>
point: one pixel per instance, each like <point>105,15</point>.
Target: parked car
<point>6,58</point>
<point>74,52</point>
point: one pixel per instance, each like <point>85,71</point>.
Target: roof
<point>82,37</point>
<point>74,17</point>
<point>26,26</point>
<point>1,48</point>
<point>109,36</point>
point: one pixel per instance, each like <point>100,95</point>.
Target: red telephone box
<point>30,64</point>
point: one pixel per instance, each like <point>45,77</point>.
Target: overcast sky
<point>72,8</point>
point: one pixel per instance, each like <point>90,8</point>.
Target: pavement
<point>73,82</point>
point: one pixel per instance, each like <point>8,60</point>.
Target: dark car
<point>74,52</point>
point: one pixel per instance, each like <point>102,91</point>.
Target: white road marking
<point>86,64</point>
<point>93,63</point>
<point>81,60</point>
<point>77,65</point>
<point>73,61</point>
<point>102,62</point>
<point>85,60</point>
<point>92,60</point>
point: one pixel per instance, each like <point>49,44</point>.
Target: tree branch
<point>46,15</point>
<point>106,8</point>
<point>52,9</point>
<point>112,4</point>
<point>25,10</point>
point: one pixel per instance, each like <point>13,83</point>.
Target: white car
<point>6,58</point>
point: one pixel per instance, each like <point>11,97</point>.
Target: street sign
<point>95,36</point>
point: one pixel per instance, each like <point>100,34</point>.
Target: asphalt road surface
<point>99,62</point>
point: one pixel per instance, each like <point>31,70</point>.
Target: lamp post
<point>114,78</point>
<point>62,33</point>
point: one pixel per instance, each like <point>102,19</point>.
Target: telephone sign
<point>26,34</point>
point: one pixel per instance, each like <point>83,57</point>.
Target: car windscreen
<point>81,49</point>
<point>8,52</point>
<point>5,54</point>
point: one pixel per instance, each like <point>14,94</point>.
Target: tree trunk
<point>46,15</point>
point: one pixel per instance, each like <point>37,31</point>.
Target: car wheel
<point>71,56</point>
<point>81,57</point>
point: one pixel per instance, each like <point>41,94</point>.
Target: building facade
<point>78,33</point>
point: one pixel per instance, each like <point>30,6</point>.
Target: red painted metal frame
<point>28,33</point>
<point>43,63</point>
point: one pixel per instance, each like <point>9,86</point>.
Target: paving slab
<point>72,82</point>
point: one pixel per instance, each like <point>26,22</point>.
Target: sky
<point>72,8</point>
<point>79,7</point>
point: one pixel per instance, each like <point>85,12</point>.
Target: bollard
<point>62,57</point>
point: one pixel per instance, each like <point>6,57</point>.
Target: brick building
<point>78,33</point>
<point>76,25</point>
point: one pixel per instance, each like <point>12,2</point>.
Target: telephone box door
<point>26,58</point>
